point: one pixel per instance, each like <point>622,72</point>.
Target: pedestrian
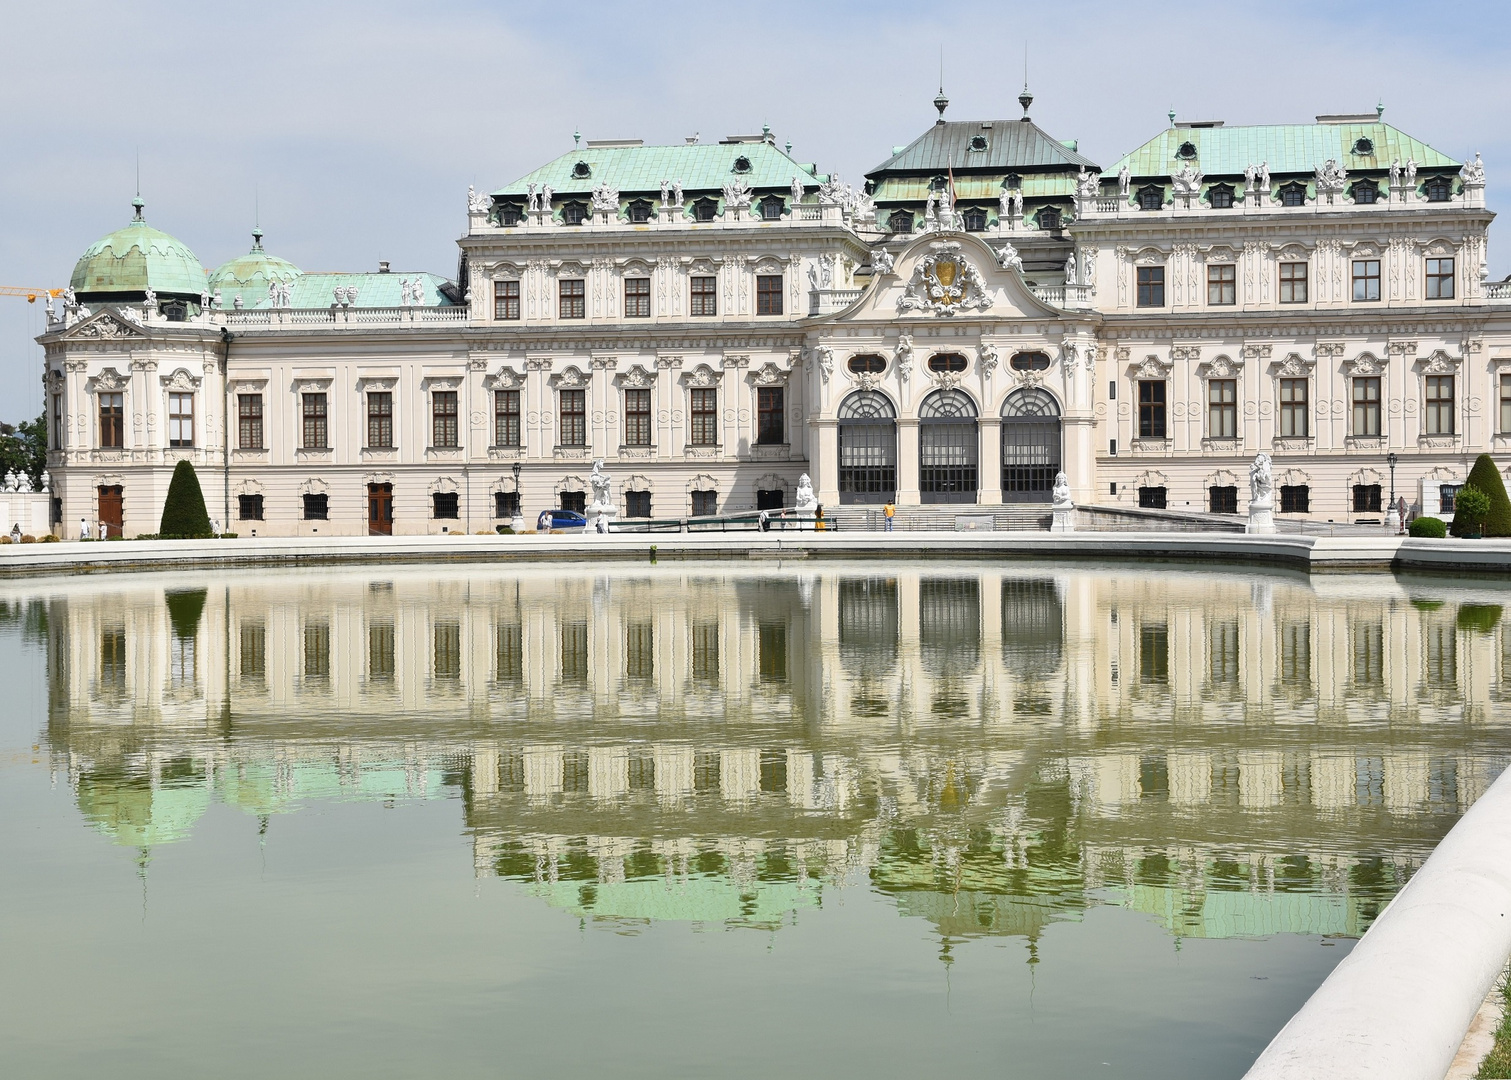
<point>764,521</point>
<point>818,519</point>
<point>544,523</point>
<point>15,533</point>
<point>83,529</point>
<point>103,534</point>
<point>887,512</point>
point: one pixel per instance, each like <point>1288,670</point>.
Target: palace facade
<point>989,308</point>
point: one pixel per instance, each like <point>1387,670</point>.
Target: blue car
<point>550,520</point>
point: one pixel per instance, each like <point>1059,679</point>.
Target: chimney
<point>382,266</point>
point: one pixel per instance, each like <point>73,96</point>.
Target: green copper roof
<point>1288,148</point>
<point>319,291</point>
<point>131,259</point>
<point>1004,146</point>
<point>975,189</point>
<point>640,170</point>
<point>250,274</point>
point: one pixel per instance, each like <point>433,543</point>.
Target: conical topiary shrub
<point>1487,478</point>
<point>184,513</point>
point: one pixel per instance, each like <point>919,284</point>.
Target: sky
<point>352,130</point>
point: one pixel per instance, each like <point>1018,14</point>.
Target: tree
<point>23,449</point>
<point>184,513</point>
<point>1487,478</point>
<point>1470,508</point>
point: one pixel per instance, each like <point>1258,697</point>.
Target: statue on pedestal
<point>805,500</point>
<point>1064,510</point>
<point>601,510</point>
<point>1261,496</point>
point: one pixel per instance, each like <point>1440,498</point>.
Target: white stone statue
<point>1264,178</point>
<point>532,198</point>
<point>1088,263</point>
<point>1250,174</point>
<point>52,312</point>
<point>273,293</point>
<point>863,208</point>
<point>825,362</point>
<point>404,292</point>
<point>905,357</point>
<point>1411,172</point>
<point>805,500</point>
<point>131,315</point>
<point>1009,259</point>
<point>417,292</point>
<point>601,511</point>
<point>215,299</point>
<point>606,199</point>
<point>70,298</point>
<point>1064,511</point>
<point>1395,173</point>
<point>826,271</point>
<point>1060,493</point>
<point>1088,184</point>
<point>477,203</point>
<point>881,261</point>
<point>1330,177</point>
<point>1005,204</point>
<point>150,304</point>
<point>931,207</point>
<point>986,358</point>
<point>813,275</point>
<point>666,187</point>
<point>238,303</point>
<point>1186,180</point>
<point>1124,178</point>
<point>1261,496</point>
<point>677,194</point>
<point>1474,171</point>
<point>1070,269</point>
<point>1017,202</point>
<point>797,191</point>
<point>547,193</point>
<point>737,195</point>
<point>834,190</point>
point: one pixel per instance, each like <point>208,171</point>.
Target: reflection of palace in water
<point>1233,754</point>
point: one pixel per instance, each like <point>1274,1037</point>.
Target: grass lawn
<point>1497,1066</point>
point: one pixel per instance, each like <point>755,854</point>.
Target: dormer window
<point>705,210</point>
<point>574,213</point>
<point>1151,197</point>
<point>771,208</point>
<point>978,143</point>
<point>742,164</point>
<point>939,183</point>
<point>640,212</point>
<point>510,214</point>
<point>582,170</point>
<point>1293,194</point>
<point>1220,196</point>
<point>1439,189</point>
<point>1049,219</point>
<point>974,218</point>
<point>901,221</point>
<point>1366,191</point>
<point>1012,180</point>
<point>174,310</point>
<point>1187,150</point>
<point>1364,147</point>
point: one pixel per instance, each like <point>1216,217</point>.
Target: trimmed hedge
<point>1497,519</point>
<point>184,513</point>
<point>1430,527</point>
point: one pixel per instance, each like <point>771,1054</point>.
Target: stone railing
<point>339,315</point>
<point>825,301</point>
<point>1497,290</point>
<point>1072,297</point>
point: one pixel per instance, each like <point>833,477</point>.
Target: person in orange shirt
<point>888,511</point>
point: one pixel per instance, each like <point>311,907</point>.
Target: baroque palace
<point>989,308</point>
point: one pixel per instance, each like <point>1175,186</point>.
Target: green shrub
<point>1470,508</point>
<point>1483,618</point>
<point>184,514</point>
<point>51,538</point>
<point>505,530</point>
<point>1486,478</point>
<point>226,536</point>
<point>1430,527</point>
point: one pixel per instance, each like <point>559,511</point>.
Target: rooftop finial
<point>576,138</point>
<point>940,101</point>
<point>256,238</point>
<point>137,205</point>
<point>1171,115</point>
<point>1025,99</point>
<point>1380,109</point>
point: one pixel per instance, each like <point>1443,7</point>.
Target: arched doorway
<point>1030,445</point>
<point>867,448</point>
<point>948,448</point>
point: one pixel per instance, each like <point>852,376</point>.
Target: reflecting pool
<point>1033,821</point>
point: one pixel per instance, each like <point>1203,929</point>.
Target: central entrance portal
<point>1030,445</point>
<point>948,448</point>
<point>867,449</point>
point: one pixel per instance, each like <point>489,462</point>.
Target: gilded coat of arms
<point>945,283</point>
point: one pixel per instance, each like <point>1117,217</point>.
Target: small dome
<point>250,274</point>
<point>126,262</point>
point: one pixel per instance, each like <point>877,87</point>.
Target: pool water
<point>693,820</point>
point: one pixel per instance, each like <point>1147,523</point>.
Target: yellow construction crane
<point>30,294</point>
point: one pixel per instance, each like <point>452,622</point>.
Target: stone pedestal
<point>1064,518</point>
<point>1261,518</point>
<point>600,518</point>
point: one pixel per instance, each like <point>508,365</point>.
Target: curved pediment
<point>949,276</point>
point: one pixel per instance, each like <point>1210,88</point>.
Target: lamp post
<point>1390,507</point>
<point>517,522</point>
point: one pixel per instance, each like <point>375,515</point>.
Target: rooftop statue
<point>477,203</point>
<point>797,191</point>
<point>881,261</point>
<point>1124,177</point>
<point>1009,259</point>
<point>1474,171</point>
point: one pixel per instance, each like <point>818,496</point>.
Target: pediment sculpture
<point>945,283</point>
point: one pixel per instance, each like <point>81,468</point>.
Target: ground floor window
<point>249,507</point>
<point>505,504</point>
<point>1295,499</point>
<point>705,503</point>
<point>575,501</point>
<point>637,504</point>
<point>1151,498</point>
<point>446,504</point>
<point>1447,493</point>
<point>1223,500</point>
<point>316,507</point>
<point>770,499</point>
<point>1366,498</point>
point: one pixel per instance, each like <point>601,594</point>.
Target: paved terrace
<point>1315,554</point>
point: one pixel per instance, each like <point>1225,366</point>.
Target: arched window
<point>943,362</point>
<point>1293,195</point>
<point>1030,445</point>
<point>901,221</point>
<point>1049,219</point>
<point>867,428</point>
<point>705,210</point>
<point>948,448</point>
<point>771,208</point>
<point>574,213</point>
<point>640,211</point>
<point>1439,189</point>
<point>1366,191</point>
<point>1151,197</point>
<point>1220,196</point>
<point>974,218</point>
<point>869,364</point>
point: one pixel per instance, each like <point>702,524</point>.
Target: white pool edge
<point>1399,1005</point>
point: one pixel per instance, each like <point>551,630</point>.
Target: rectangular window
<point>1151,498</point>
<point>1222,284</point>
<point>249,421</point>
<point>380,420</point>
<point>1366,398</point>
<point>505,504</point>
<point>1293,409</point>
<point>704,299</point>
<point>637,504</point>
<point>637,418</point>
<point>1151,286</point>
<point>1437,411</point>
<point>572,300</point>
<point>574,418</point>
<point>446,505</point>
<point>1506,404</point>
<point>771,424</point>
<point>506,300</point>
<point>506,418</point>
<point>1366,498</point>
<point>1366,279</point>
<point>637,298</point>
<point>1447,494</point>
<point>1295,499</point>
<point>768,294</point>
<point>1293,283</point>
<point>317,507</point>
<point>1151,409</point>
<point>1440,279</point>
<point>180,419</point>
<point>55,429</point>
<point>704,413</point>
<point>443,420</point>
<point>705,503</point>
<point>315,425</point>
<point>249,507</point>
<point>112,421</point>
<point>1223,500</point>
<point>1222,409</point>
